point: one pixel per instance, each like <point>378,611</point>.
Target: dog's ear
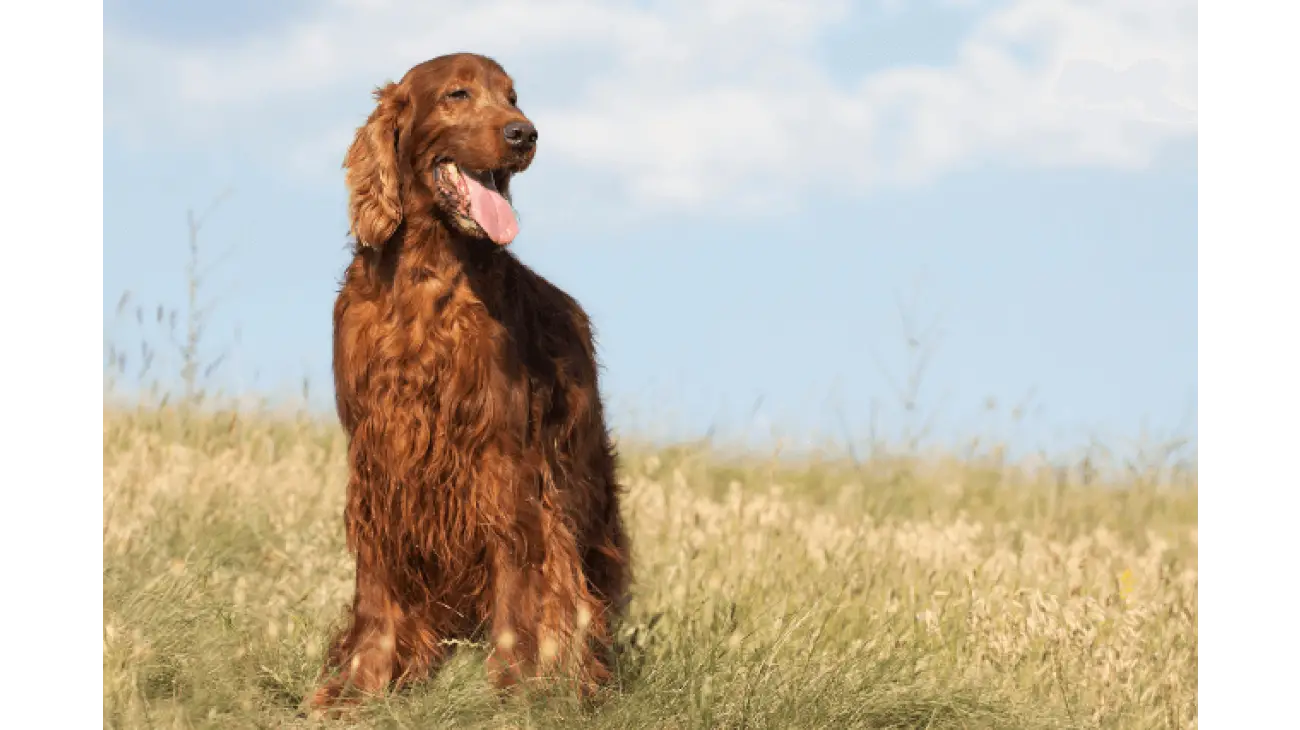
<point>376,171</point>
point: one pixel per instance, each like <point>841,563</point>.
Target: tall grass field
<point>899,589</point>
<point>889,592</point>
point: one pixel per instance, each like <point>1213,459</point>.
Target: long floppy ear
<point>375,171</point>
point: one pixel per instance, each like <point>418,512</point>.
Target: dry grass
<point>938,593</point>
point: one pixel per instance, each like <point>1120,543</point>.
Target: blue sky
<point>739,192</point>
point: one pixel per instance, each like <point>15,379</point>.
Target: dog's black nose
<point>521,134</point>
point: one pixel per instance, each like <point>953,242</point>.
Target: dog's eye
<point>459,94</point>
<point>513,99</point>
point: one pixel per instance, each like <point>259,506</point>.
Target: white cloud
<point>685,103</point>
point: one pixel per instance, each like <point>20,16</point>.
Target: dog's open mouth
<point>476,203</point>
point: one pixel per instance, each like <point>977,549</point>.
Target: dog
<point>482,499</point>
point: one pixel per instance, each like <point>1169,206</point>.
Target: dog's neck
<point>432,249</point>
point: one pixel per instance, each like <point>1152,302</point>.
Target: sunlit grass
<point>902,593</point>
<point>897,591</point>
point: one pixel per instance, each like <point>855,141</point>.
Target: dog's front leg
<point>363,657</point>
<point>511,658</point>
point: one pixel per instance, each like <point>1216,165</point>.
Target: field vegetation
<point>898,588</point>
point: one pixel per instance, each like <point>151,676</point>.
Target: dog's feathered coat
<point>482,497</point>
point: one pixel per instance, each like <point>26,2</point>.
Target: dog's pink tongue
<point>491,211</point>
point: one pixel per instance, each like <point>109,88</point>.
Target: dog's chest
<point>502,353</point>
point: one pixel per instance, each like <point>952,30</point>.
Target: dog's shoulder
<point>544,295</point>
<point>561,325</point>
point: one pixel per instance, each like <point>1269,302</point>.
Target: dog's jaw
<point>476,203</point>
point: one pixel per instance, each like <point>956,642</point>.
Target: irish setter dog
<point>482,501</point>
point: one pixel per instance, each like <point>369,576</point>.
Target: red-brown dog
<point>482,499</point>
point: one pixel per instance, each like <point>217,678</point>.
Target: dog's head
<point>443,141</point>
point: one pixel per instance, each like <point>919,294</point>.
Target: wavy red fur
<point>482,500</point>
